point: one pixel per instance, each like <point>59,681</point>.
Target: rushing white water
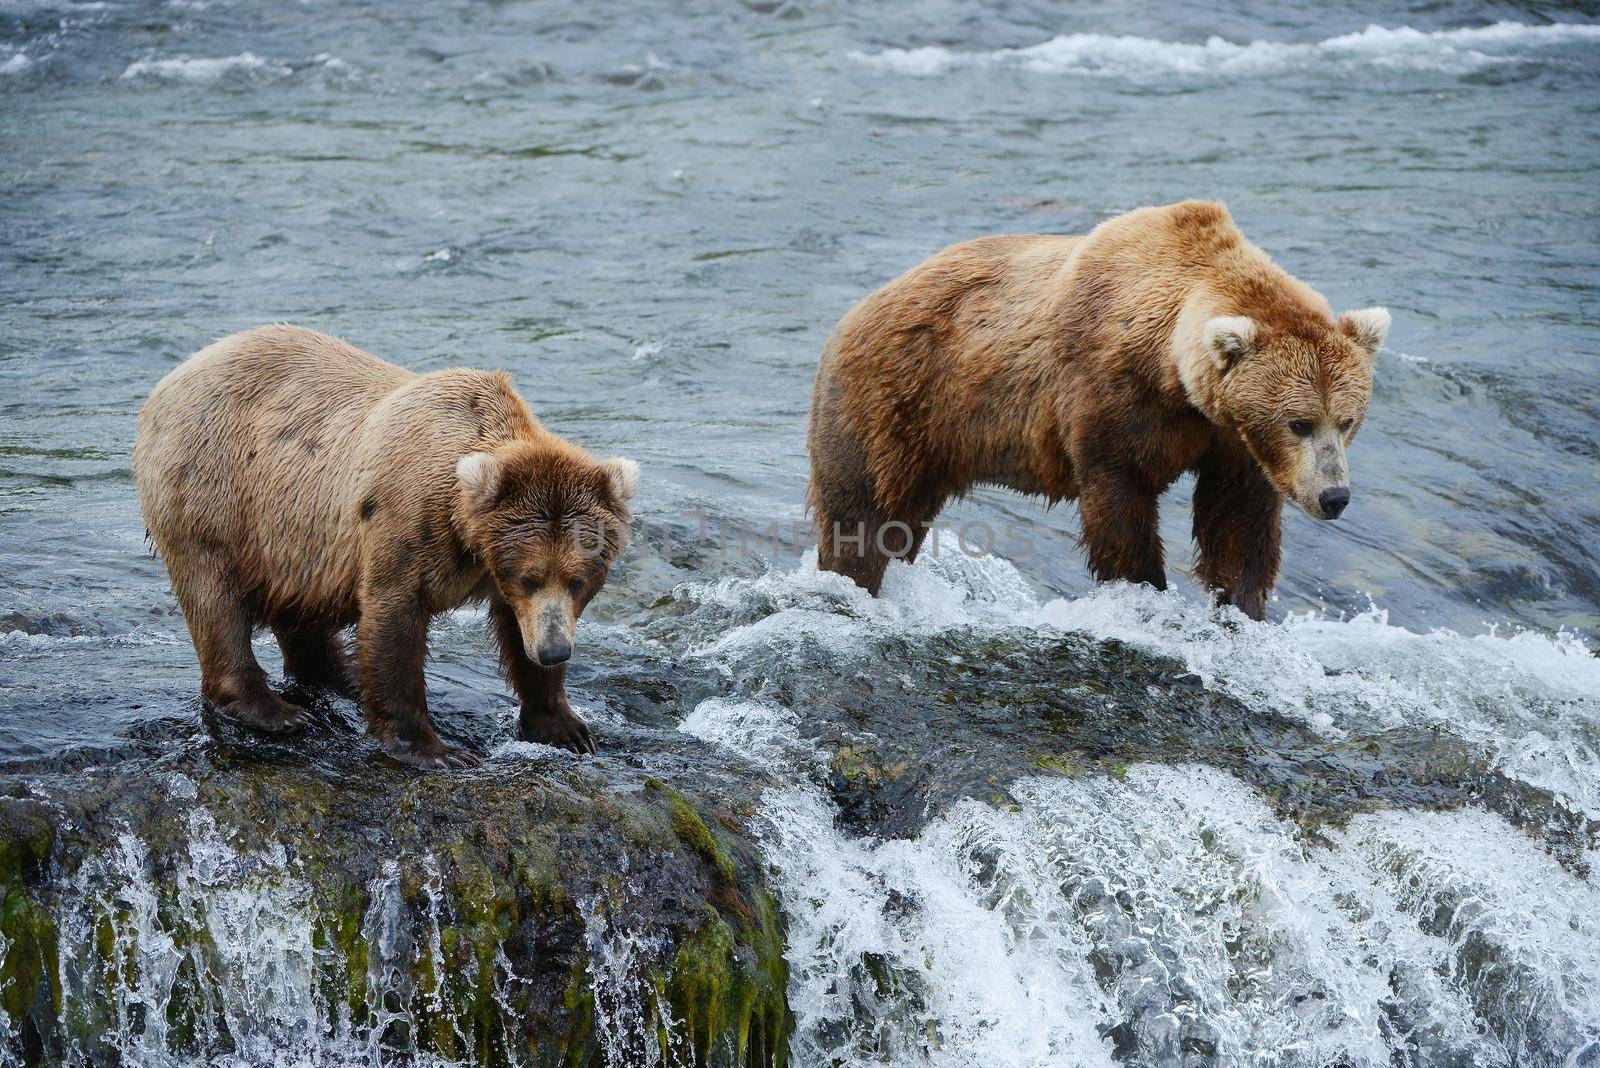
<point>1171,913</point>
<point>236,938</point>
<point>24,643</point>
<point>628,1018</point>
<point>1066,921</point>
<point>234,934</point>
<point>1531,700</point>
<point>1400,48</point>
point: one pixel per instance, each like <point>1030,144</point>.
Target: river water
<point>652,215</point>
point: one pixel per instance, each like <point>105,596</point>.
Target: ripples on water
<point>652,219</point>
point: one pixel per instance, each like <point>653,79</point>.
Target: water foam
<point>1163,914</point>
<point>1173,911</point>
<point>205,71</point>
<point>10,1040</point>
<point>1517,934</point>
<point>763,732</point>
<point>22,642</point>
<point>1400,48</point>
<point>631,1022</point>
<point>1530,700</point>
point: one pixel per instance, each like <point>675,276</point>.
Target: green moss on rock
<point>26,837</point>
<point>689,827</point>
<point>28,975</point>
<point>480,890</point>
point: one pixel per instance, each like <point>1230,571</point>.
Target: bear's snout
<point>1333,500</point>
<point>548,622</point>
<point>549,643</point>
<point>555,652</point>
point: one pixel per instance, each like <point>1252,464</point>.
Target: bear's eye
<point>531,584</point>
<point>1344,427</point>
<point>575,587</point>
<point>1301,427</point>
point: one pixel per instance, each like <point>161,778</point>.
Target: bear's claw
<point>560,730</point>
<point>269,714</point>
<point>433,756</point>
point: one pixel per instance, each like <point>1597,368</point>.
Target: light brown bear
<point>290,479</point>
<point>1098,368</point>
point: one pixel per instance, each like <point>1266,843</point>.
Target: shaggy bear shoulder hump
<point>484,400</point>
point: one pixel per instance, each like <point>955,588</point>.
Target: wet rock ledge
<point>268,903</point>
<point>207,897</point>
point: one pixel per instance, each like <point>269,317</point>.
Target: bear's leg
<point>919,533</point>
<point>546,716</point>
<point>391,645</point>
<point>1238,517</point>
<point>313,654</point>
<point>861,546</point>
<point>859,539</point>
<point>841,496</point>
<point>1120,527</point>
<point>849,545</point>
<point>231,678</point>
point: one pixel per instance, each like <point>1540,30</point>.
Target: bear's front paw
<point>430,754</point>
<point>561,728</point>
<point>268,713</point>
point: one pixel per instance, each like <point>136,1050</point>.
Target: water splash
<point>9,1038</point>
<point>224,961</point>
<point>1169,916</point>
<point>256,950</point>
<point>207,70</point>
<point>1529,700</point>
<point>632,1018</point>
<point>117,940</point>
<point>1516,933</point>
<point>1401,48</point>
<point>1172,915</point>
<point>389,985</point>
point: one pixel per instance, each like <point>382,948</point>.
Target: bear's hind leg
<point>314,655</point>
<point>857,535</point>
<point>231,678</point>
<point>847,513</point>
<point>861,545</point>
<point>847,545</point>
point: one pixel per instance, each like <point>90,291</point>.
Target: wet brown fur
<point>1056,366</point>
<point>290,479</point>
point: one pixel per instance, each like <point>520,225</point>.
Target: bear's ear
<point>1228,339</point>
<point>623,475</point>
<point>479,475</point>
<point>1366,327</point>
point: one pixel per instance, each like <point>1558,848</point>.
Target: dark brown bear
<point>1094,368</point>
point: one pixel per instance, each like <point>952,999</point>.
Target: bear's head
<point>1296,397</point>
<point>547,521</point>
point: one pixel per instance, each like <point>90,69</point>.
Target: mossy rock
<point>541,912</point>
<point>26,837</point>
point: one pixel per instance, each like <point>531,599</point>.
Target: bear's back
<point>251,446</point>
